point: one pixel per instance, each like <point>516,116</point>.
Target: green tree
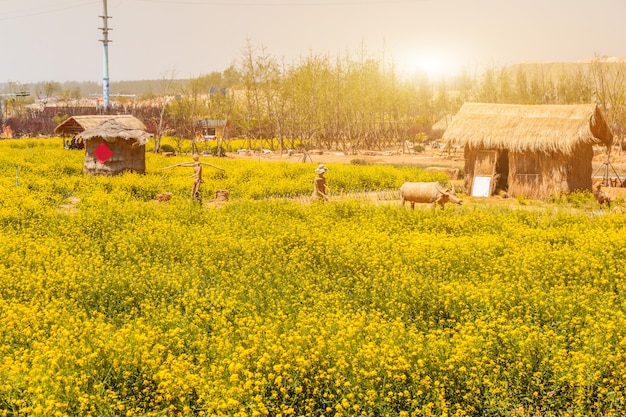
<point>488,89</point>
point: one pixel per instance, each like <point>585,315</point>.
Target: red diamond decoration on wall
<point>103,153</point>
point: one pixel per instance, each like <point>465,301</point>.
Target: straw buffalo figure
<point>427,192</point>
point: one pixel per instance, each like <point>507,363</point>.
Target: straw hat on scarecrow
<point>321,169</point>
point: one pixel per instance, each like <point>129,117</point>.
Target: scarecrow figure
<point>320,191</point>
<point>197,174</point>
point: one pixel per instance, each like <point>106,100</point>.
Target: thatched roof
<point>210,123</point>
<point>535,128</point>
<point>442,124</point>
<point>112,129</point>
<point>77,124</point>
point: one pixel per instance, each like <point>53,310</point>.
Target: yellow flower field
<point>112,304</point>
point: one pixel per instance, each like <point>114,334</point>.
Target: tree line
<point>347,103</point>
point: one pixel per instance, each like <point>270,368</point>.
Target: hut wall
<point>541,175</point>
<point>470,162</point>
<point>127,156</point>
<point>134,156</point>
<point>536,174</point>
<point>580,168</point>
<point>92,165</point>
<point>533,174</point>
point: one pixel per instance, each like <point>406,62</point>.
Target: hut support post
<point>608,166</point>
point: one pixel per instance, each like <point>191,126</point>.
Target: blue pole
<point>105,44</point>
<point>105,79</point>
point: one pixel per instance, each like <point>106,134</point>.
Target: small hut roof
<point>112,129</point>
<point>77,124</point>
<point>536,128</point>
<point>442,124</point>
<point>210,123</point>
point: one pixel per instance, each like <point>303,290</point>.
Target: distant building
<point>207,129</point>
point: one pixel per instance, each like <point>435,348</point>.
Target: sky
<point>59,40</point>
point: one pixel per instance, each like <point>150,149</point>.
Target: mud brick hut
<point>112,148</point>
<point>527,150</point>
<point>113,143</point>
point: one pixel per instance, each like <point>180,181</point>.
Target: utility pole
<point>105,42</point>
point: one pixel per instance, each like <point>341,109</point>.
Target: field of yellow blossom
<point>112,304</point>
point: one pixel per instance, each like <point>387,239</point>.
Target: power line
<point>283,3</point>
<point>37,11</point>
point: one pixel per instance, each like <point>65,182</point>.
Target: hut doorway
<point>491,172</point>
<point>502,171</point>
<point>484,173</point>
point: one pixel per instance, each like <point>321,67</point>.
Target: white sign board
<point>481,187</point>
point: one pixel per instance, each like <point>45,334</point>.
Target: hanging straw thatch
<point>126,146</point>
<point>537,128</point>
<point>535,150</point>
<point>77,124</point>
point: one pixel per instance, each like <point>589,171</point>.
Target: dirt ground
<point>430,158</point>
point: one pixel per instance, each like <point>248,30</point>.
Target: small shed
<point>530,150</point>
<point>77,124</point>
<point>112,148</point>
<point>441,125</point>
<point>207,129</point>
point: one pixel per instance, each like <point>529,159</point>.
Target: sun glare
<point>434,66</point>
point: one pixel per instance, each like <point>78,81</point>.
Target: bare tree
<point>260,75</point>
<point>166,86</point>
<point>50,88</point>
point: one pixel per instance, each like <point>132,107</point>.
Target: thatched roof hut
<point>112,148</point>
<point>76,124</point>
<point>530,150</point>
<point>441,125</point>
